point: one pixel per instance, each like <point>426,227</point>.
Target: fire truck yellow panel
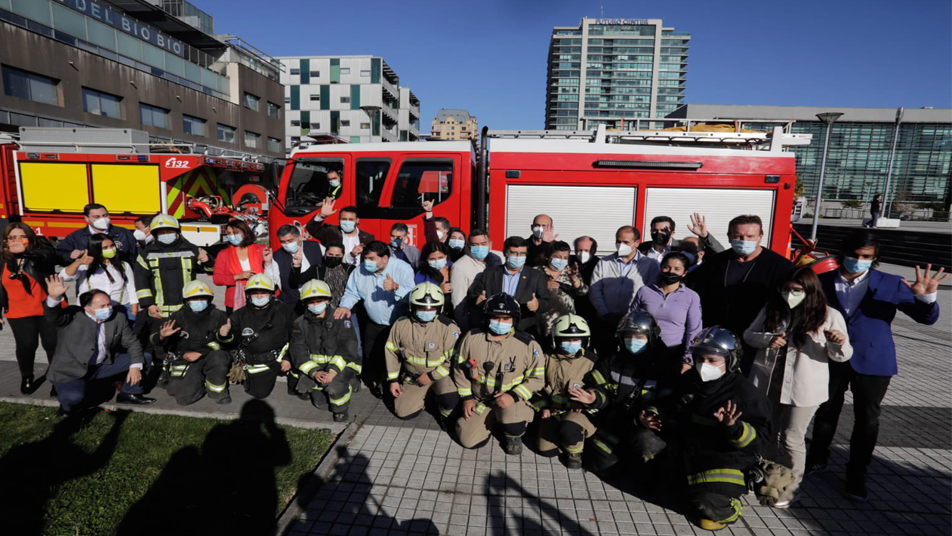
<point>49,186</point>
<point>127,188</point>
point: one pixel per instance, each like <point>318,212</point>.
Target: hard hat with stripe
<point>315,288</point>
<point>260,282</point>
<point>164,221</point>
<point>196,289</point>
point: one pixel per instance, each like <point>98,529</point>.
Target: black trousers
<point>374,341</point>
<point>868,393</point>
<point>27,333</point>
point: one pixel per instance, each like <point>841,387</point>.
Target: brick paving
<point>408,477</point>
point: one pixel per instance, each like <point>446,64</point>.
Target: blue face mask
<point>856,266</point>
<point>291,247</point>
<point>500,328</point>
<point>559,264</point>
<point>260,301</point>
<point>198,305</point>
<point>348,226</point>
<point>234,239</point>
<point>479,252</point>
<point>317,308</point>
<point>571,348</point>
<point>166,238</point>
<point>371,266</point>
<point>635,345</point>
<point>426,316</point>
<point>396,242</point>
<point>438,264</point>
<point>744,247</point>
<point>103,314</point>
<point>515,263</point>
<point>456,243</point>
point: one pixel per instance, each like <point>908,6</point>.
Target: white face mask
<point>794,297</point>
<point>101,224</point>
<point>139,235</point>
<point>440,234</point>
<point>624,250</point>
<point>709,372</point>
<point>584,256</point>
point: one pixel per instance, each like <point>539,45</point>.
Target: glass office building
<point>860,145</point>
<point>606,70</point>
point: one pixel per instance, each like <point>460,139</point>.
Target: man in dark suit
<point>347,233</point>
<point>528,286</point>
<point>868,300</point>
<point>295,251</point>
<point>97,218</point>
<point>93,343</point>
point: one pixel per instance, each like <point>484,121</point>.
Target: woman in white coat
<point>102,267</point>
<point>797,334</point>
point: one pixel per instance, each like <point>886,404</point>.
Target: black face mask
<point>660,237</point>
<point>670,278</point>
<point>333,262</point>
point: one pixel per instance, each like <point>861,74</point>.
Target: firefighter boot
<point>513,445</point>
<point>573,460</point>
<point>341,417</point>
<point>708,524</point>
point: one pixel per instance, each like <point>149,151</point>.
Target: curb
<point>298,503</point>
<point>334,428</point>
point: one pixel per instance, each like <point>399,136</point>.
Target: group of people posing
<point>664,355</point>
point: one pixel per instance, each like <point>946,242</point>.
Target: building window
<point>295,123</point>
<point>365,74</point>
<point>295,72</point>
<point>274,111</point>
<point>251,102</point>
<point>34,87</point>
<point>104,104</point>
<point>287,100</point>
<point>345,100</point>
<point>365,126</point>
<point>315,74</point>
<point>153,116</point>
<point>193,125</point>
<point>226,133</point>
<point>345,122</point>
<point>251,139</point>
<point>345,70</point>
<point>315,126</point>
<point>316,97</point>
<point>274,145</point>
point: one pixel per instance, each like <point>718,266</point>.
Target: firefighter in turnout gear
<point>262,329</point>
<point>723,428</point>
<point>190,342</point>
<point>420,353</point>
<point>563,424</point>
<point>630,393</point>
<point>164,267</point>
<point>324,350</point>
<point>497,371</point>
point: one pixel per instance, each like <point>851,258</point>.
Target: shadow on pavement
<point>226,487</point>
<point>30,473</point>
<point>499,486</point>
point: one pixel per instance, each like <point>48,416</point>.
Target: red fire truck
<point>589,182</point>
<point>47,176</point>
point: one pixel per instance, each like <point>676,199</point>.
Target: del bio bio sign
<point>117,20</point>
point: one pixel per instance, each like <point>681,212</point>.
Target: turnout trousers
<point>413,397</point>
<point>337,393</point>
<point>477,430</point>
<point>566,431</point>
<point>189,381</point>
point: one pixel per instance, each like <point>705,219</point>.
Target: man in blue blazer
<point>868,299</point>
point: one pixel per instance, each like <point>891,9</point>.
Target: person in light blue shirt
<point>382,284</point>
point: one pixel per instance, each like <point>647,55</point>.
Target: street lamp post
<point>372,112</point>
<point>889,166</point>
<point>828,118</point>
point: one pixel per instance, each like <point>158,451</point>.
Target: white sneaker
<point>786,504</point>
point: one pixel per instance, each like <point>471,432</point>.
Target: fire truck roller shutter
<point>127,188</point>
<point>718,205</point>
<point>49,186</point>
<point>596,211</point>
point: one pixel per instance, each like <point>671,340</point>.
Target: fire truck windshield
<point>313,180</point>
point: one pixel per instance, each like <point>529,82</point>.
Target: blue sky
<point>489,56</point>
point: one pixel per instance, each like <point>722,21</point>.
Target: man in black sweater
<point>735,284</point>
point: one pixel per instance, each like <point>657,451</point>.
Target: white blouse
<point>121,292</point>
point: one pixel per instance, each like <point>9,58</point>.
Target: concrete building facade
<point>860,147</point>
<point>356,98</point>
<point>98,64</point>
<point>604,70</point>
<point>454,124</point>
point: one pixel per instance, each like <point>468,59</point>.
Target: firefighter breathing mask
<point>109,253</point>
<point>559,264</point>
<point>709,372</point>
<point>499,327</point>
<point>794,297</point>
<point>856,266</point>
<point>479,252</point>
<point>348,226</point>
<point>198,305</point>
<point>426,316</point>
<point>570,347</point>
<point>635,345</point>
<point>744,247</point>
<point>317,308</point>
<point>457,243</point>
<point>291,247</point>
<point>166,238</point>
<point>101,224</point>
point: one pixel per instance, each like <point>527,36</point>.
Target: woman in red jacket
<point>241,260</point>
<point>27,261</point>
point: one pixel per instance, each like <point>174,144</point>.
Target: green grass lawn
<point>134,473</point>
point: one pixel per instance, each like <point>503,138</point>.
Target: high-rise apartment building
<point>454,124</point>
<point>357,98</point>
<point>606,70</point>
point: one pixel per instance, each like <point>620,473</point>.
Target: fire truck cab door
<point>306,187</point>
